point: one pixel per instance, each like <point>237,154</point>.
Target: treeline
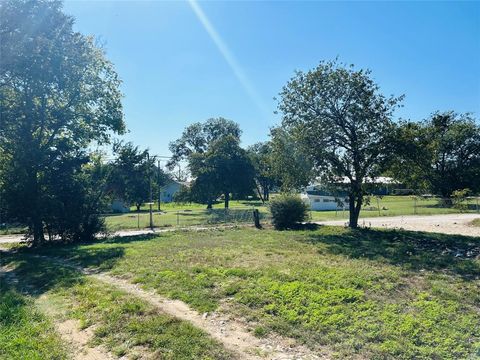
<point>60,97</point>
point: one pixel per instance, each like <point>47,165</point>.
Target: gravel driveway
<point>446,224</point>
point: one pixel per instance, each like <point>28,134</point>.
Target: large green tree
<point>58,94</point>
<point>340,120</point>
<point>439,155</point>
<point>289,163</point>
<point>261,157</point>
<point>134,174</point>
<point>198,137</point>
<point>224,168</point>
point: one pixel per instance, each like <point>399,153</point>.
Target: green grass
<point>476,222</point>
<point>25,333</point>
<point>12,229</point>
<point>182,215</point>
<point>174,215</point>
<point>363,293</point>
<point>124,324</point>
<point>172,206</point>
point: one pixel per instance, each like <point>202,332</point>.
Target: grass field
<point>25,333</point>
<point>360,294</point>
<point>187,215</point>
<point>124,324</point>
<point>181,215</point>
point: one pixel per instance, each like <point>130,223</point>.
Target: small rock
<point>205,315</point>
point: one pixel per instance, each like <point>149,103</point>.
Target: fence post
<point>256,218</point>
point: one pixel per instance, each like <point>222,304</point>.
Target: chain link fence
<point>185,218</point>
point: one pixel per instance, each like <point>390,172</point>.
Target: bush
<point>287,211</point>
<point>459,198</point>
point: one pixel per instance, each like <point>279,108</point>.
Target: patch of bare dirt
<point>78,339</point>
<point>231,332</point>
<point>455,224</point>
<point>69,330</point>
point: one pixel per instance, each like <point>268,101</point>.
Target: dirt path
<point>78,340</point>
<point>232,333</point>
<point>70,332</point>
<point>458,224</point>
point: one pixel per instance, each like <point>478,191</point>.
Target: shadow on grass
<point>454,254</point>
<point>35,275</point>
<point>131,238</point>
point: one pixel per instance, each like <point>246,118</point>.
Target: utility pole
<point>150,184</point>
<point>159,186</point>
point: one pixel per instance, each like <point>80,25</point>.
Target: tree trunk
<point>353,221</point>
<point>209,204</point>
<point>227,199</point>
<point>38,236</point>
<point>138,206</point>
<point>37,223</point>
<point>355,205</point>
<point>259,193</point>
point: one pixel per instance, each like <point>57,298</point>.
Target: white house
<point>320,199</point>
<point>169,190</point>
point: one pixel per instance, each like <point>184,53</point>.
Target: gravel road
<point>446,224</point>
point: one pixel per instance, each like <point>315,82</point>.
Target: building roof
<point>367,180</point>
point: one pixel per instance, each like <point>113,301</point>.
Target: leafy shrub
<point>287,211</point>
<point>459,198</point>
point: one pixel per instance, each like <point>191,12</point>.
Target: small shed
<point>321,199</point>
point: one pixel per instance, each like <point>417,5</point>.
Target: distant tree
<point>183,195</point>
<point>289,163</point>
<point>340,120</point>
<point>134,174</point>
<point>58,94</point>
<point>198,137</point>
<point>440,154</point>
<point>261,157</point>
<point>224,168</point>
<point>204,188</point>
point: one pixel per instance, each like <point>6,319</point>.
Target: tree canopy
<point>58,94</point>
<point>261,156</point>
<point>198,137</point>
<point>224,168</point>
<point>438,155</point>
<point>340,120</point>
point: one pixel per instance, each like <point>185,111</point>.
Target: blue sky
<point>175,71</point>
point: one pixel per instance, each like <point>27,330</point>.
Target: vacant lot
<point>182,215</point>
<point>49,311</point>
<point>354,294</point>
